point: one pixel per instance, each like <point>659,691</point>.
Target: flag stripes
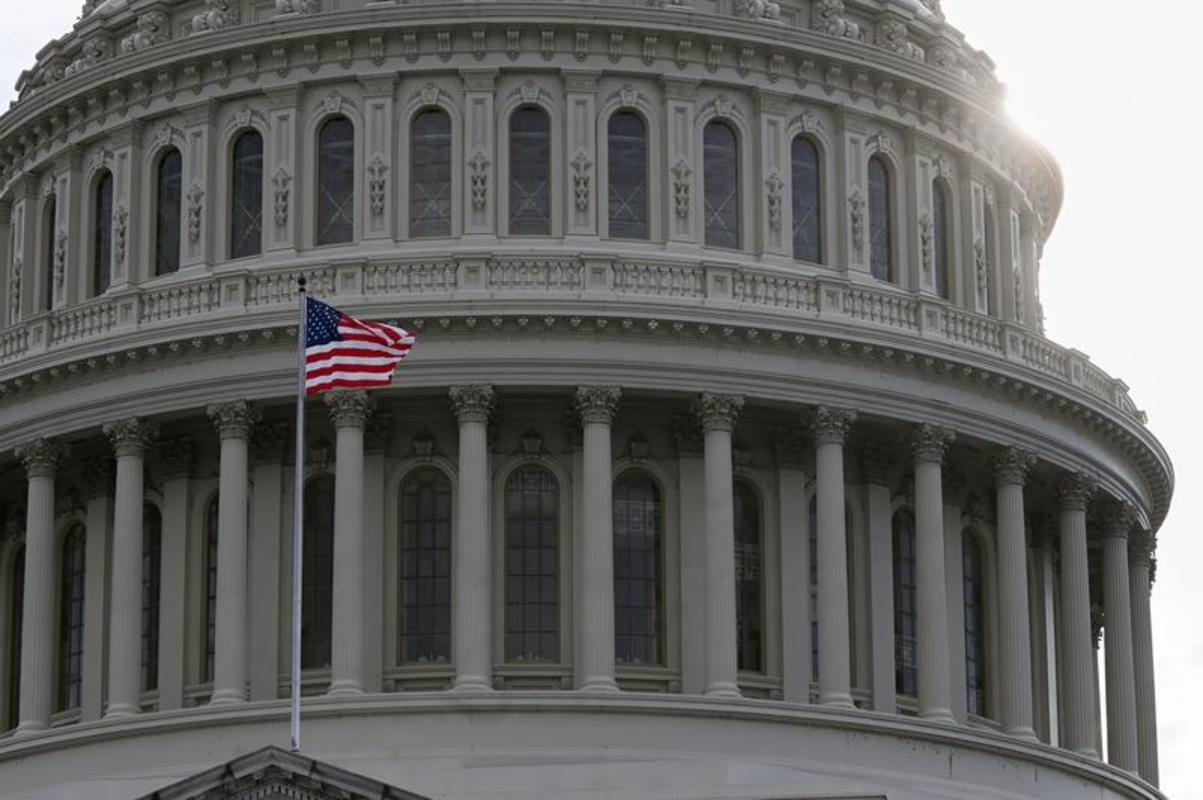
<point>342,352</point>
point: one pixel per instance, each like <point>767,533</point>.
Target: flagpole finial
<point>301,283</point>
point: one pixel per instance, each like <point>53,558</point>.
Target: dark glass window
<point>941,236</point>
<point>71,619</point>
<point>336,181</point>
<point>246,196</point>
<point>317,573</point>
<point>991,244</point>
<point>169,188</point>
<point>48,235</point>
<point>627,154</point>
<point>532,569</point>
<point>749,587</point>
<point>425,592</point>
<point>720,156</point>
<point>16,614</point>
<point>102,234</point>
<point>530,172</point>
<point>814,582</point>
<point>638,568</point>
<point>881,240</point>
<point>804,174</point>
<point>152,528</point>
<point>906,672</point>
<point>975,630</point>
<point>430,174</point>
<point>209,625</point>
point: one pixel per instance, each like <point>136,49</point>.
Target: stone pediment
<point>275,774</point>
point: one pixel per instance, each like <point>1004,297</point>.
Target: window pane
<point>16,601</point>
<point>881,246</point>
<point>424,613</point>
<point>638,565</point>
<point>988,228</point>
<point>906,674</point>
<point>532,631</point>
<point>71,620</point>
<point>210,607</point>
<point>151,557</point>
<point>530,172</point>
<point>804,172</point>
<point>721,176</point>
<point>336,181</point>
<point>748,585</point>
<point>975,633</point>
<point>627,155</point>
<point>102,235</point>
<point>167,213</point>
<point>940,236</point>
<point>246,196</point>
<point>430,175</point>
<point>48,236</point>
<point>317,573</point>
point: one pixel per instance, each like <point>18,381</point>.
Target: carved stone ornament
<point>153,28</point>
<point>472,403</point>
<point>233,419</point>
<point>377,185</point>
<point>1075,490</point>
<point>831,425</point>
<point>1017,287</point>
<point>758,9</point>
<point>280,182</point>
<point>1118,518</point>
<point>597,404</point>
<point>120,226</point>
<point>92,53</point>
<point>131,436</point>
<point>349,408</point>
<point>931,442</point>
<point>718,412</point>
<point>682,173</point>
<point>582,170</point>
<point>14,290</point>
<point>927,238</point>
<point>60,259</point>
<point>789,446</point>
<point>173,457</point>
<point>195,198</point>
<point>827,16</point>
<point>531,442</point>
<point>1011,466</point>
<point>877,463</point>
<point>529,92</point>
<point>892,35</point>
<point>856,218</point>
<point>638,447</point>
<point>688,435</point>
<point>628,96</point>
<point>981,270</point>
<point>40,457</point>
<point>775,187</point>
<point>218,14</point>
<point>98,476</point>
<point>423,445</point>
<point>296,7</point>
<point>429,94</point>
<point>478,175</point>
<point>269,441</point>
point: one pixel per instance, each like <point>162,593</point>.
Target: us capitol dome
<point>732,460</point>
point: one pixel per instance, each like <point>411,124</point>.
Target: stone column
<point>596,406</point>
<point>718,414</point>
<point>1014,640</point>
<point>1122,744</point>
<point>472,585</point>
<point>38,603</point>
<point>929,444</point>
<point>1077,652</point>
<point>129,438</point>
<point>830,426</point>
<point>349,411</point>
<point>233,421</point>
<point>1140,564</point>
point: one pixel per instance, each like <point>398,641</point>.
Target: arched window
<point>881,239</point>
<point>209,623</point>
<point>71,619</point>
<point>991,244</point>
<point>627,154</point>
<point>530,172</point>
<point>168,200</point>
<point>532,574</point>
<point>246,195</point>
<point>424,615</point>
<point>814,583</point>
<point>804,177</point>
<point>941,236</point>
<point>638,570</point>
<point>152,528</point>
<point>102,233</point>
<point>16,613</point>
<point>975,629</point>
<point>720,160</point>
<point>336,181</point>
<point>48,236</point>
<point>749,587</point>
<point>317,573</point>
<point>430,174</point>
<point>906,672</point>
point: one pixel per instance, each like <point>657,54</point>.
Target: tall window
<point>430,174</point>
<point>638,569</point>
<point>627,154</point>
<point>246,196</point>
<point>425,597</point>
<point>804,176</point>
<point>102,234</point>
<point>530,172</point>
<point>906,673</point>
<point>152,528</point>
<point>941,236</point>
<point>336,181</point>
<point>975,629</point>
<point>168,194</point>
<point>749,588</point>
<point>814,582</point>
<point>48,235</point>
<point>16,613</point>
<point>991,245</point>
<point>881,240</point>
<point>317,573</point>
<point>720,156</point>
<point>209,624</point>
<point>71,620</point>
<point>532,588</point>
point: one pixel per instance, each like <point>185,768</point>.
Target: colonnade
<point>1126,572</point>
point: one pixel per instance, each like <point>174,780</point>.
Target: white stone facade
<point>858,375</point>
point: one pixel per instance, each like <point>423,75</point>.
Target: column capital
<point>1011,466</point>
<point>40,457</point>
<point>131,436</point>
<point>1141,548</point>
<point>830,425</point>
<point>349,408</point>
<point>688,435</point>
<point>233,419</point>
<point>597,404</point>
<point>718,412</point>
<point>269,442</point>
<point>1118,518</point>
<point>1074,489</point>
<point>174,457</point>
<point>930,442</point>
<point>473,403</point>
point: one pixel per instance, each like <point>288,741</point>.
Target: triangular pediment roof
<point>275,774</point>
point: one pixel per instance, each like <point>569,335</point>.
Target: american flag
<point>342,352</point>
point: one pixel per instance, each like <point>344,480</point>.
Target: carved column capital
<point>688,436</point>
<point>269,442</point>
<point>1118,518</point>
<point>830,425</point>
<point>40,457</point>
<point>349,408</point>
<point>233,419</point>
<point>930,442</point>
<point>1075,489</point>
<point>131,436</point>
<point>1011,466</point>
<point>597,404</point>
<point>473,403</point>
<point>174,457</point>
<point>718,412</point>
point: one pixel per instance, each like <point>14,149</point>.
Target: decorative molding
<point>219,14</point>
<point>40,457</point>
<point>718,412</point>
<point>377,185</point>
<point>153,28</point>
<point>597,404</point>
<point>174,458</point>
<point>927,248</point>
<point>829,425</point>
<point>1011,466</point>
<point>931,442</point>
<point>472,403</point>
<point>790,446</point>
<point>687,434</point>
<point>682,173</point>
<point>195,198</point>
<point>349,408</point>
<point>827,16</point>
<point>582,171</point>
<point>120,223</point>
<point>775,189</point>
<point>379,428</point>
<point>478,175</point>
<point>233,419</point>
<point>1075,489</point>
<point>857,217</point>
<point>130,437</point>
<point>269,441</point>
<point>280,184</point>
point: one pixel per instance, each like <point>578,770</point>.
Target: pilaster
<point>683,165</point>
<point>379,186</point>
<point>480,160</point>
<point>280,229</point>
<point>581,158</point>
<point>174,459</point>
<point>268,445</point>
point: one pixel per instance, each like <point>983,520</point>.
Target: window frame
<point>315,214</point>
<point>453,140</point>
<point>157,220</point>
<point>943,233</point>
<point>49,230</point>
<point>399,577</point>
<point>231,186</point>
<point>650,198</point>
<point>310,552</point>
<point>900,666</point>
<point>894,271</point>
<point>758,503</point>
<point>72,588</point>
<point>660,598</point>
<point>100,246</point>
<point>553,171</point>
<point>741,195</point>
<point>151,586</point>
<point>820,197</point>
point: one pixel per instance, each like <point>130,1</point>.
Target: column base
<point>940,715</point>
<point>1025,734</point>
<point>26,728</point>
<point>723,689</point>
<point>599,684</point>
<point>227,697</point>
<point>1088,752</point>
<point>344,688</point>
<point>120,711</point>
<point>470,684</point>
<point>837,700</point>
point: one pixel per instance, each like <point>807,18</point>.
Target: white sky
<point>1113,90</point>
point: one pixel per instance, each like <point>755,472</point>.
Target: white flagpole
<point>298,510</point>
